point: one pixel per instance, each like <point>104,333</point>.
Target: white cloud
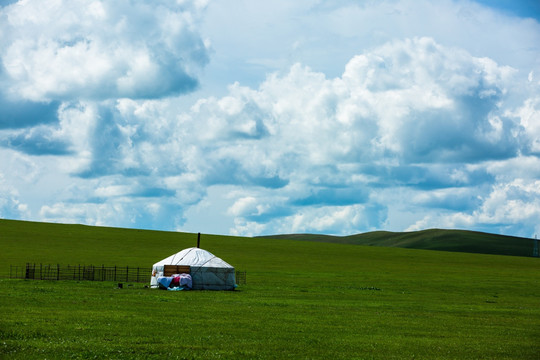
<point>425,113</point>
<point>338,220</point>
<point>253,40</point>
<point>112,191</point>
<point>521,167</point>
<point>447,198</point>
<point>10,205</point>
<point>529,116</point>
<point>117,212</point>
<point>311,151</point>
<point>244,207</point>
<point>98,50</point>
<point>509,208</point>
<point>514,202</point>
<point>410,101</point>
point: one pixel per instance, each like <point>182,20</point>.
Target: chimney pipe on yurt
<point>198,240</point>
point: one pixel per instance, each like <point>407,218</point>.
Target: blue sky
<point>253,117</point>
<point>521,8</point>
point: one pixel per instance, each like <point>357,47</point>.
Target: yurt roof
<point>194,257</point>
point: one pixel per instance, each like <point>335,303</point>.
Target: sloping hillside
<point>432,239</point>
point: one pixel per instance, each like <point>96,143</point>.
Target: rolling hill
<point>432,239</point>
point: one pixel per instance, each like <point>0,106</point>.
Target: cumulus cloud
<point>318,154</point>
<point>67,50</point>
<point>404,114</point>
<point>118,201</point>
<point>410,114</point>
<point>509,208</point>
<point>11,206</point>
<point>443,108</point>
<point>327,219</point>
<point>529,118</point>
<point>303,151</point>
<point>325,34</point>
<point>124,212</point>
<point>67,69</point>
<point>60,55</point>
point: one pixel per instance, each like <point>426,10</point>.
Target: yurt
<point>207,271</point>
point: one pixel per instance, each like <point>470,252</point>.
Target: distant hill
<point>431,239</point>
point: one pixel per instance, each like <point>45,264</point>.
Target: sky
<point>239,117</point>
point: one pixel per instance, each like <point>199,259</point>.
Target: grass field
<point>302,300</point>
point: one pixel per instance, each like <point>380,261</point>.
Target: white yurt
<point>208,272</point>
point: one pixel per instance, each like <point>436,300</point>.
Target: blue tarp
<point>175,281</point>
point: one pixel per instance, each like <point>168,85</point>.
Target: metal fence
<point>80,272</point>
<point>90,272</point>
<point>240,277</point>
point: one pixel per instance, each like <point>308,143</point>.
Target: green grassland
<point>302,300</point>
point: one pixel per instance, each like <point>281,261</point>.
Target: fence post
<point>137,274</point>
<point>57,271</point>
<point>127,273</point>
